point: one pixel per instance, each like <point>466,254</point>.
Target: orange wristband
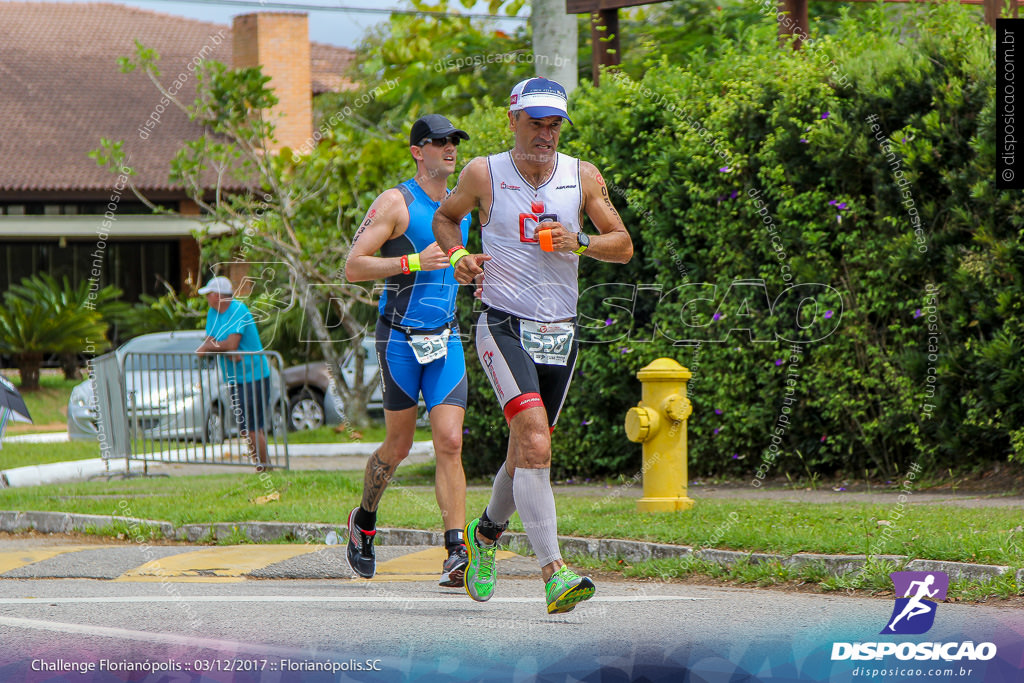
<point>544,237</point>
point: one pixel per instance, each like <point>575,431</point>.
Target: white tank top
<point>520,278</point>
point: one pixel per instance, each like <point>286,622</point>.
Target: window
<point>138,267</point>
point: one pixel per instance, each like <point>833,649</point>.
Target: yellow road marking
<point>218,564</point>
<point>230,564</point>
<point>13,559</point>
<point>423,565</point>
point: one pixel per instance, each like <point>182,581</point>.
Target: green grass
<point>22,454</point>
<point>48,406</point>
<point>985,535</point>
<point>874,579</point>
<point>375,432</point>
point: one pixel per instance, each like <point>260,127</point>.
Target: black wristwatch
<point>584,241</point>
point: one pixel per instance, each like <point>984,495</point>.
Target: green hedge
<point>793,132</point>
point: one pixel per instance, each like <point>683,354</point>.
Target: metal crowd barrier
<point>178,408</point>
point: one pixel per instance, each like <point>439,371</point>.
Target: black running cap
<point>433,126</point>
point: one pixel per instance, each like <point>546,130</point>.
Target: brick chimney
<point>279,41</point>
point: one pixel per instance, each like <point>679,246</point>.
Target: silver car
<point>313,402</point>
<point>334,406</point>
<point>177,396</point>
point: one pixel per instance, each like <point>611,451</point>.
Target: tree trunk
<point>28,368</point>
<point>69,363</point>
<point>356,414</point>
<point>554,42</point>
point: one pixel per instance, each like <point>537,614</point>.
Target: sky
<point>337,27</point>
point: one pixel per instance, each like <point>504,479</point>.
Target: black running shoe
<point>360,548</point>
<point>453,573</point>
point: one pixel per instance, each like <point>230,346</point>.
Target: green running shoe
<point>565,590</point>
<point>480,570</point>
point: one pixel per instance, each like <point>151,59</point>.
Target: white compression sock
<point>536,504</point>
<point>502,503</point>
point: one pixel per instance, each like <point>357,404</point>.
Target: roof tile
<point>61,90</point>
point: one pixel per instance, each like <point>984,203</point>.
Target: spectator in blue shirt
<point>231,333</point>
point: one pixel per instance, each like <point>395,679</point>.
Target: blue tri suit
<point>422,302</point>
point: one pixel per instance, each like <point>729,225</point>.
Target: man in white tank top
<point>531,203</point>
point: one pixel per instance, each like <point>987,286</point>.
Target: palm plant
<point>39,316</point>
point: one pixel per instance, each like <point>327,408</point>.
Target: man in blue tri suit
<point>231,332</point>
<point>417,341</point>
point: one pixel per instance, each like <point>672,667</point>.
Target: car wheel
<point>214,425</point>
<point>305,410</point>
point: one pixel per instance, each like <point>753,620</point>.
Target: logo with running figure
<point>914,612</point>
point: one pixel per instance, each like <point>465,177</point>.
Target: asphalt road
<point>202,613</point>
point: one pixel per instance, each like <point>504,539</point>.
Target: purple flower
<point>724,169</point>
<point>803,140</point>
<point>584,423</point>
<point>716,431</point>
<point>734,194</point>
<point>826,115</point>
<point>779,362</point>
<point>735,456</point>
<point>917,314</point>
<point>832,203</point>
<point>841,206</point>
<point>828,314</point>
<point>465,431</point>
<point>716,316</point>
<point>607,322</point>
<point>717,411</point>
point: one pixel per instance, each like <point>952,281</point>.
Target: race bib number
<point>547,343</point>
<point>429,347</point>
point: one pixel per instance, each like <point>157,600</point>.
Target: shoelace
<point>487,561</point>
<point>365,542</point>
<point>564,577</point>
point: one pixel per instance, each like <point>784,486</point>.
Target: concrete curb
<point>82,470</point>
<point>961,570</point>
<point>66,522</point>
<point>58,472</point>
<point>602,548</point>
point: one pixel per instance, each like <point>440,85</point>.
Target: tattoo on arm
<point>366,223</point>
<point>608,200</point>
<point>377,477</point>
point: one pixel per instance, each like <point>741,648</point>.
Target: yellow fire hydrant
<point>659,423</point>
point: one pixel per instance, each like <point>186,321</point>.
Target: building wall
<point>279,41</point>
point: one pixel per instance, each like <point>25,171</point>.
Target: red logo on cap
<point>515,98</point>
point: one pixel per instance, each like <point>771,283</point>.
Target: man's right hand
<point>469,266</point>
